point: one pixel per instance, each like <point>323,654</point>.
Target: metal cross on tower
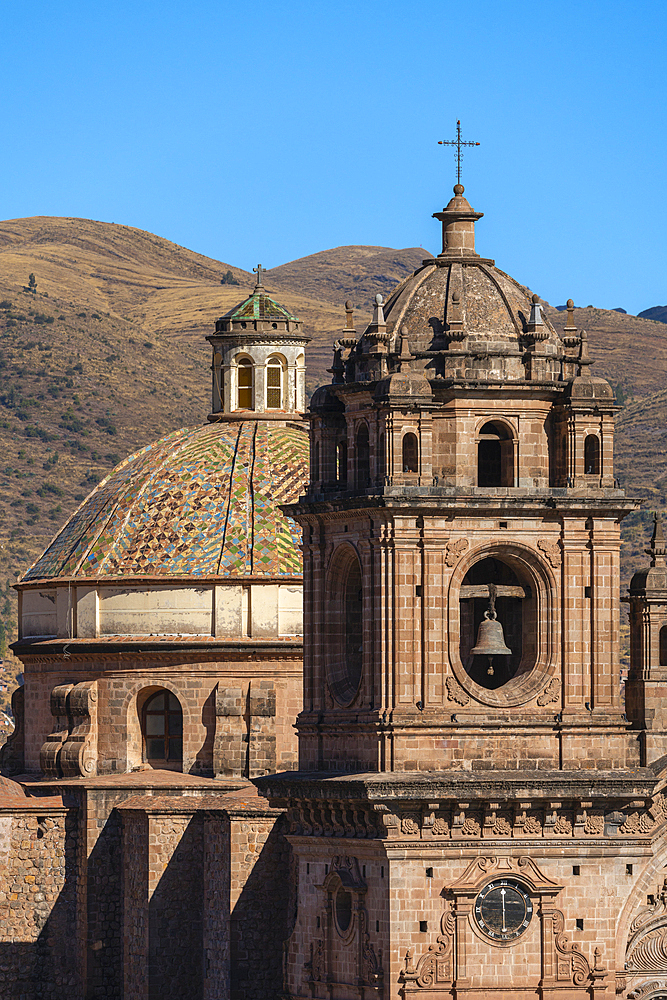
<point>458,142</point>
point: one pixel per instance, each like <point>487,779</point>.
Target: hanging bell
<point>490,638</point>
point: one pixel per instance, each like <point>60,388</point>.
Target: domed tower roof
<point>464,317</point>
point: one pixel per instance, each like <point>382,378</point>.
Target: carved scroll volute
<point>78,756</point>
<point>49,755</point>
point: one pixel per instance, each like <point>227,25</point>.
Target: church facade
<point>468,806</point>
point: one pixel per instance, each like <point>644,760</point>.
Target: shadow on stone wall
<point>104,912</point>
<point>46,967</point>
<point>259,921</point>
<point>175,921</point>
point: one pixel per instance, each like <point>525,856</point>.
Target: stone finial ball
<point>378,299</point>
<point>348,305</point>
<point>570,304</point>
<point>459,189</point>
<point>536,298</point>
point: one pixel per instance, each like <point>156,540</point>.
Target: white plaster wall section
<point>39,616</point>
<point>290,610</point>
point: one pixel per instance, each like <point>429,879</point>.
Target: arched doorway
<point>162,731</point>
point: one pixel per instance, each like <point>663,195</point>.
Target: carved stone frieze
<point>645,820</point>
<point>436,967</point>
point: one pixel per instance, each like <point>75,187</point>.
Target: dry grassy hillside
<point>109,354</point>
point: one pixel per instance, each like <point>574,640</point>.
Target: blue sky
<point>266,131</point>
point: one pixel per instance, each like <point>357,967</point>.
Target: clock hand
<point>502,896</point>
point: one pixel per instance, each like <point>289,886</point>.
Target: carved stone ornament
<point>532,825</point>
<point>454,550</point>
<point>470,827</point>
<point>646,989</point>
<point>562,826</point>
<point>646,949</point>
<point>455,692</point>
<point>551,550</point>
<point>70,750</point>
<point>436,967</point>
<point>594,825</point>
<point>551,693</point>
<point>646,820</point>
<point>440,827</point>
<point>571,964</point>
<point>410,824</point>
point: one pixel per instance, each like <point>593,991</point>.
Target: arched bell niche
<point>492,588</point>
<point>515,584</point>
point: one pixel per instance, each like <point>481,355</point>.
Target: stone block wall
<point>112,742</point>
<point>38,902</point>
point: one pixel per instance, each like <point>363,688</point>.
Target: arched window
<point>316,462</point>
<point>663,646</point>
<point>362,458</point>
<point>592,455</point>
<point>495,456</point>
<point>274,384</point>
<point>341,463</point>
<point>410,453</point>
<point>345,627</point>
<point>162,730</point>
<point>382,463</point>
<point>244,384</point>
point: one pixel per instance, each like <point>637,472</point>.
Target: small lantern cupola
<point>258,360</point>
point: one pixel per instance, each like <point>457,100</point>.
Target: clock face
<point>503,910</point>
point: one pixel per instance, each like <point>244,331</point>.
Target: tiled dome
<point>202,501</point>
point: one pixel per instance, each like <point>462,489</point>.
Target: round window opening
<point>343,910</point>
<point>498,627</point>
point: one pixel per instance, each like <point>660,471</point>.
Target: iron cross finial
<point>258,271</point>
<point>458,142</point>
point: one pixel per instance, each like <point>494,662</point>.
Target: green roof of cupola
<point>259,305</point>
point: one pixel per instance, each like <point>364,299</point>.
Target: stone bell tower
<point>472,816</point>
<point>462,469</point>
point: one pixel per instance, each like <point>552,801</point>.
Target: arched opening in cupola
<point>244,384</point>
<point>592,455</point>
<point>495,455</point>
<point>410,453</point>
<point>162,731</point>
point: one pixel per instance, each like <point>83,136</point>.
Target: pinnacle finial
<point>657,550</point>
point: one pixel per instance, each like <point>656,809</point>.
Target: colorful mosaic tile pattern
<point>200,501</point>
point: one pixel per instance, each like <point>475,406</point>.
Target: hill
<point>655,312</point>
<point>109,354</point>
